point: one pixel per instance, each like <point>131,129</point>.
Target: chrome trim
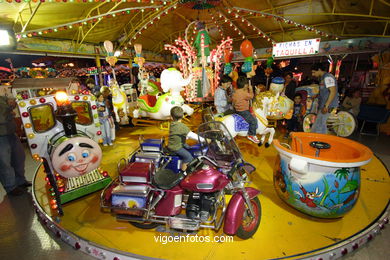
<point>204,186</point>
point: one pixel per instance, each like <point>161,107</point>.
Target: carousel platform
<point>283,232</point>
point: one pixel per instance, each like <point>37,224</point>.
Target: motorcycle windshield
<point>220,145</point>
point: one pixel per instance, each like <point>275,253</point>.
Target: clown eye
<point>85,154</point>
<point>71,157</point>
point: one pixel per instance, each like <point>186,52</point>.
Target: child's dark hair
<point>318,66</point>
<point>242,81</point>
<point>226,79</point>
<point>297,95</point>
<point>177,113</point>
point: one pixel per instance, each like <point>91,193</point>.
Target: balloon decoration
<point>111,59</point>
<point>138,59</point>
<point>246,49</point>
<point>228,56</point>
<point>109,48</point>
<point>270,61</point>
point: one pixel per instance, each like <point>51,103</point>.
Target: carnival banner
<point>296,48</point>
<point>347,46</point>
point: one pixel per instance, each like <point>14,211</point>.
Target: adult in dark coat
<point>289,85</point>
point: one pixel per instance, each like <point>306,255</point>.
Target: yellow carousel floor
<point>283,231</point>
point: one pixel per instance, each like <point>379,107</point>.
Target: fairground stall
<point>310,196</point>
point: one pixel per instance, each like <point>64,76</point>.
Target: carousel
<point>310,196</point>
<point>298,199</point>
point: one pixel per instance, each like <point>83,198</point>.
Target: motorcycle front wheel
<point>249,226</point>
<point>144,225</point>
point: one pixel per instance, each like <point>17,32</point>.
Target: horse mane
<point>258,102</point>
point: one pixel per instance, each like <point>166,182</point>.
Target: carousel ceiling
<point>155,23</point>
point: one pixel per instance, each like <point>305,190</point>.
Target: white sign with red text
<point>296,48</point>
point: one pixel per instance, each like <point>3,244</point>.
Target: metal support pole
<point>99,66</point>
<point>357,61</point>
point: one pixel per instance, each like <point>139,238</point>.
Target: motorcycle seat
<point>166,179</point>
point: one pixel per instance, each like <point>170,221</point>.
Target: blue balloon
<point>228,69</point>
<point>247,67</point>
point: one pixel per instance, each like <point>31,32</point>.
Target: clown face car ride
<point>151,190</point>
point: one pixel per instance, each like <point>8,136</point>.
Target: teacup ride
<point>319,174</point>
<point>157,108</point>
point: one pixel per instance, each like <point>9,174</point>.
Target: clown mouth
<point>81,168</point>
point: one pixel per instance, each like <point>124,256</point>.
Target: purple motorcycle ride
<point>151,191</point>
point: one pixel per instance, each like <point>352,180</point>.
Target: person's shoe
<point>253,138</point>
<point>16,192</point>
<point>105,144</point>
<point>110,144</point>
<point>26,184</point>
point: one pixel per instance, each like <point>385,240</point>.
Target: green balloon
<point>270,60</point>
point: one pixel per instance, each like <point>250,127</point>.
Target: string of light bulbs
<point>285,20</point>
<point>82,22</point>
<point>221,15</point>
<point>152,21</point>
<point>255,28</point>
<point>220,30</point>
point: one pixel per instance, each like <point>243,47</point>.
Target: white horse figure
<point>119,101</point>
<point>172,83</point>
<point>238,126</point>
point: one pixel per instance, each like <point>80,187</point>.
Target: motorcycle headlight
<point>205,186</point>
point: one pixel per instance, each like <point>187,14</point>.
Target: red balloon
<point>246,48</point>
<point>228,55</point>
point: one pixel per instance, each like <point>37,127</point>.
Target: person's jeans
<point>249,118</point>
<point>319,125</point>
<point>185,155</point>
<point>105,127</point>
<point>12,159</point>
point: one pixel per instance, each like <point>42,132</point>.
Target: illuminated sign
<point>296,48</point>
